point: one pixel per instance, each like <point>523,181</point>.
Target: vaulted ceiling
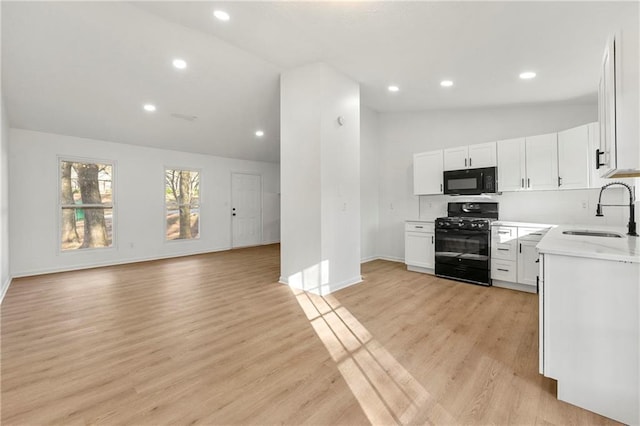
<point>86,68</point>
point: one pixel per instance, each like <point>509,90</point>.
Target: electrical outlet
<point>585,204</point>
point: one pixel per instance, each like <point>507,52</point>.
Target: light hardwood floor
<point>214,339</point>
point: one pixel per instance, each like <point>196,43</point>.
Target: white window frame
<point>114,214</point>
<point>164,200</point>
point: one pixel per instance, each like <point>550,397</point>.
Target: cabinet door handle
<point>535,233</point>
<point>598,154</point>
<point>520,248</point>
<point>419,226</point>
<point>528,183</point>
<point>559,181</point>
<point>432,239</point>
<point>469,161</point>
<point>503,270</point>
<point>504,232</point>
<point>465,162</point>
<point>522,184</point>
<point>501,249</point>
<point>440,187</point>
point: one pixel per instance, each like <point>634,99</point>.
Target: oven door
<point>463,254</point>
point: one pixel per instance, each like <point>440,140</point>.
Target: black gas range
<point>463,242</point>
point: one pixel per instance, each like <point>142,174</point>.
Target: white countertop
<point>522,224</point>
<point>420,220</point>
<point>625,249</point>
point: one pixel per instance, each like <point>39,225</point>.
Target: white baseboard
<point>328,288</point>
<point>344,284</point>
<point>514,286</point>
<point>113,263</point>
<point>420,269</point>
<point>389,258</point>
<point>5,287</point>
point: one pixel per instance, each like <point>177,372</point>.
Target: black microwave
<point>470,181</point>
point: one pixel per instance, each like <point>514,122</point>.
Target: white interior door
<point>246,209</point>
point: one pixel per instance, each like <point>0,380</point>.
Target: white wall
<point>369,183</point>
<point>403,134</point>
<point>139,188</point>
<point>320,174</point>
<point>5,272</point>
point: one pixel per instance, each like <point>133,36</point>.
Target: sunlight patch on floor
<point>386,391</point>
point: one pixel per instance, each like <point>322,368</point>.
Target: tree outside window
<point>182,204</point>
<point>86,203</point>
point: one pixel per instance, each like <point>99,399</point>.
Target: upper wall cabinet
<point>595,181</point>
<point>573,158</point>
<point>470,156</point>
<point>618,152</point>
<point>528,163</point>
<point>511,164</point>
<point>542,161</point>
<point>427,173</point>
<point>606,152</point>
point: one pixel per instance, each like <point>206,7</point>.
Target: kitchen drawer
<point>531,234</point>
<point>503,234</point>
<point>505,251</point>
<point>504,270</point>
<point>419,227</point>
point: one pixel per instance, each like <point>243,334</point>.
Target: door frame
<point>235,172</point>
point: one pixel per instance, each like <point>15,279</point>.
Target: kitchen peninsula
<point>589,307</point>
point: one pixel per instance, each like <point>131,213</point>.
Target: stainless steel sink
<point>588,233</point>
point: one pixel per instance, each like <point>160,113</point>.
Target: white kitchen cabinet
<point>483,155</point>
<point>527,263</point>
<point>514,256</point>
<point>456,158</point>
<point>542,161</point>
<point>595,180</point>
<point>589,333</point>
<point>427,173</point>
<point>504,242</point>
<point>606,155</point>
<point>618,110</point>
<point>419,246</point>
<point>470,156</point>
<point>528,163</point>
<point>573,158</point>
<point>511,164</point>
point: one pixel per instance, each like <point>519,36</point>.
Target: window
<point>86,205</point>
<point>182,204</point>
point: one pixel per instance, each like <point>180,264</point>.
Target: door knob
<point>233,214</point>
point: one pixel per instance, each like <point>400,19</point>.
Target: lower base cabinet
<point>514,257</point>
<point>590,333</point>
<point>419,246</point>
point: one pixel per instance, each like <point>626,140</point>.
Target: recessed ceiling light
<point>259,133</point>
<point>527,75</point>
<point>221,15</point>
<point>149,107</point>
<point>180,63</point>
<point>446,83</point>
<point>393,88</point>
